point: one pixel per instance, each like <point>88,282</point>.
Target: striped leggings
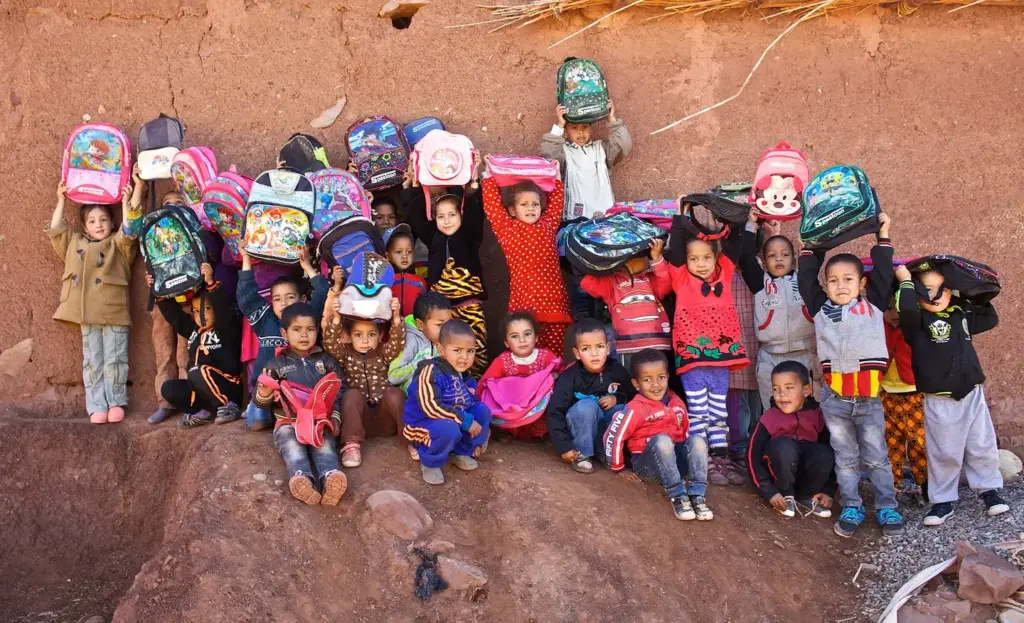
<point>473,314</point>
<point>706,391</point>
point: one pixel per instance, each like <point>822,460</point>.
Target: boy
<point>586,396</point>
<point>442,416</point>
<point>385,214</point>
<point>849,329</point>
<point>212,390</point>
<point>422,334</point>
<point>266,319</point>
<point>654,428</point>
<point>304,363</point>
<point>789,453</point>
<point>958,428</point>
<point>399,247</point>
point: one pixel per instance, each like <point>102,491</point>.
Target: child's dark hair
<point>287,279</point>
<point>716,245</point>
<point>455,328</point>
<point>398,235</point>
<point>297,310</point>
<point>348,323</point>
<point>89,207</point>
<point>845,258</point>
<point>644,357</point>
<point>586,326</point>
<point>789,243</point>
<point>793,367</point>
<point>518,316</point>
<point>509,194</point>
<point>383,201</point>
<point>427,302</point>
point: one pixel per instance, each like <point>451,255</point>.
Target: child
<point>212,390</point>
<point>265,319</point>
<point>958,427</point>
<point>653,427</point>
<point>304,363</point>
<point>94,296</point>
<point>525,228</point>
<point>586,164</point>
<point>385,214</point>
<point>586,396</point>
<point>422,334</point>
<point>903,406</point>
<point>408,286</point>
<point>850,334</point>
<point>371,403</point>
<point>789,455</point>
<point>442,416</point>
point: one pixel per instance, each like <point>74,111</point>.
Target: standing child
<point>958,427</point>
<point>525,227</point>
<point>399,247</point>
<point>422,334</point>
<point>443,418</point>
<point>903,406</point>
<point>94,296</point>
<point>850,335</point>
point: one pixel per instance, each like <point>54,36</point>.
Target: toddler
<point>422,334</point>
<point>399,247</point>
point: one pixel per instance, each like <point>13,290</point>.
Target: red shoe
<point>115,415</point>
<point>100,417</point>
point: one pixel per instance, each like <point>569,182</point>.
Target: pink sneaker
<point>351,455</point>
<point>115,415</point>
<point>100,417</point>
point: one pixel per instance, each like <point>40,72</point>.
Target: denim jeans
<point>748,411</point>
<point>664,462</point>
<point>696,464</point>
<point>857,429</point>
<point>306,460</point>
<point>587,424</point>
<point>257,418</point>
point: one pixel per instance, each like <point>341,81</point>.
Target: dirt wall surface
<point>929,105</point>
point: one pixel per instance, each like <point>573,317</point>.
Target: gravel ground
<point>900,559</point>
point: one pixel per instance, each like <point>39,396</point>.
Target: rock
<point>13,360</point>
<point>400,514</point>
<point>1010,465</point>
<point>963,550</point>
<point>330,115</point>
<point>910,614</point>
<point>1011,616</point>
<point>394,9</point>
<point>259,477</point>
<point>461,575</point>
<point>986,578</point>
<point>434,547</point>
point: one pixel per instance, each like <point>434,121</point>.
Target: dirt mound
<point>204,520</point>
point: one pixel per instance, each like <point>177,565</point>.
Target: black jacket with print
<point>219,346</point>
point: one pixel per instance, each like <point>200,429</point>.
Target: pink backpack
<point>339,195</point>
<point>782,173</point>
<point>97,163</point>
<point>443,159</point>
<point>224,201</point>
<point>658,212</point>
<point>507,170</point>
<point>192,169</point>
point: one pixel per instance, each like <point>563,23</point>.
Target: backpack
<point>343,242</point>
<point>658,212</point>
<point>973,280</point>
<point>582,90</point>
<point>304,153</point>
<point>159,141</point>
<point>97,163</point>
<point>377,147</point>
<point>781,176</point>
<point>416,130</point>
<point>443,159</point>
<point>224,203</point>
<point>600,246</point>
<point>367,294</point>
<point>278,216</point>
<point>171,242</point>
<point>309,408</point>
<point>839,206</point>
<point>339,195</point>
<point>738,192</point>
<point>192,169</point>
<point>508,170</point>
<point>729,212</point>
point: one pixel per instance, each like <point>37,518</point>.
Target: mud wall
<point>929,105</point>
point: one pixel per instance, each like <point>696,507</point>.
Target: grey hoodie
<point>417,348</point>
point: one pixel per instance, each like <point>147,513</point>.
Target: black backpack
<point>172,247</point>
<point>601,246</point>
<point>303,153</point>
<point>973,280</point>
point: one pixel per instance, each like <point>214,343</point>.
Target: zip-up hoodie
<point>366,372</point>
<point>408,287</point>
<point>643,419</point>
<point>417,348</point>
<point>638,317</point>
<point>805,426</point>
<point>218,346</point>
<point>577,381</point>
<point>438,393</point>
<point>305,370</point>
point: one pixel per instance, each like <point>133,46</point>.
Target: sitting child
<point>422,333</point>
<point>653,427</point>
<point>212,390</point>
<point>957,424</point>
<point>408,286</point>
<point>789,456</point>
<point>304,363</point>
<point>442,415</point>
<point>94,296</point>
<point>586,396</point>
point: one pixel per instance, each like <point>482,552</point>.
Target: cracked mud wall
<point>929,105</point>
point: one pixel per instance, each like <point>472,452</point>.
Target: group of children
<point>893,352</point>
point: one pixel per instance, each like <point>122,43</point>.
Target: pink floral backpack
<point>224,201</point>
<point>97,163</point>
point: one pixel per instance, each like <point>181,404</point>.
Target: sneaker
<point>465,463</point>
<point>790,507</point>
<point>938,514</point>
<point>818,510</point>
<point>302,489</point>
<point>99,417</point>
<point>160,415</point>
<point>849,520</point>
<point>583,465</point>
<point>195,419</point>
<point>716,475</point>
<point>351,455</point>
<point>432,475</point>
<point>228,413</point>
<point>891,521</point>
<point>682,508</point>
<point>701,509</point>
<point>115,415</point>
<point>335,485</point>
<point>994,504</point>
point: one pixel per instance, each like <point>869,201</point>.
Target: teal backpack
<point>839,205</point>
<point>582,90</point>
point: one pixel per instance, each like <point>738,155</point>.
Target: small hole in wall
<point>401,23</point>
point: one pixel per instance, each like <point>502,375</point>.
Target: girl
<point>526,228</point>
<point>534,368</point>
<point>785,330</point>
<point>94,296</point>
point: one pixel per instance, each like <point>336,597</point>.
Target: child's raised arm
<point>493,206</point>
<point>813,294</point>
<point>250,302</point>
<point>552,144</point>
<point>620,143</point>
<point>880,284</point>
<point>907,304</point>
<point>391,349</point>
<point>552,214</point>
<point>750,268</point>
<point>59,235</point>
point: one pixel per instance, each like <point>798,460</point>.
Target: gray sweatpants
<point>959,433</point>
<point>766,362</point>
<point>105,366</point>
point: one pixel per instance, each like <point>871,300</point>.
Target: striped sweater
<point>438,392</point>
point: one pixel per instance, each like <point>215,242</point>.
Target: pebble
<point>259,477</point>
<point>278,483</point>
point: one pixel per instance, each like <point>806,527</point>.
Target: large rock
<point>910,614</point>
<point>461,575</point>
<point>399,513</point>
<point>14,359</point>
<point>1010,465</point>
<point>986,578</point>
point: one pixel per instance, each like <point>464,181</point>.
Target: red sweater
<point>408,287</point>
<point>642,419</point>
<point>532,257</point>
<point>899,351</point>
<point>638,317</point>
<point>505,366</point>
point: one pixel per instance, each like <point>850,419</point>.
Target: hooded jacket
<point>305,370</point>
<point>218,346</point>
<point>438,392</point>
<point>576,381</point>
<point>642,419</point>
<point>417,349</point>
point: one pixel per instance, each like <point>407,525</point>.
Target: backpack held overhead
<point>582,90</point>
<point>839,205</point>
<point>367,293</point>
<point>443,159</point>
<point>974,281</point>
<point>346,240</point>
<point>97,164</point>
<point>416,130</point>
<point>339,196</point>
<point>172,246</point>
<point>224,202</point>
<point>728,214</point>
<point>658,212</point>
<point>192,169</point>
<point>377,146</point>
<point>304,153</point>
<point>601,246</point>
<point>278,216</point>
<point>509,170</point>
<point>782,174</point>
<point>159,141</point>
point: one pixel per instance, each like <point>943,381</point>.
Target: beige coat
<point>94,286</point>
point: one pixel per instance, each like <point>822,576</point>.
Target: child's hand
<point>598,214</point>
<point>396,311</point>
<point>657,249</point>
<point>407,178</point>
<point>902,274</point>
<point>630,475</point>
<point>752,217</point>
<point>475,429</point>
<point>207,272</point>
<point>778,502</point>
<point>149,280</point>
<point>126,197</point>
<point>61,190</point>
<point>337,278</point>
<point>822,499</point>
<point>570,456</point>
<point>246,260</point>
<point>772,228</point>
<point>352,168</point>
<point>413,159</point>
<point>560,115</point>
<point>136,176</point>
<point>305,263</point>
<point>607,402</point>
<point>280,164</point>
<point>612,117</point>
<point>883,225</point>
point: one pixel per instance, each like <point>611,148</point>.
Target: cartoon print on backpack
<point>92,151</point>
<point>781,195</point>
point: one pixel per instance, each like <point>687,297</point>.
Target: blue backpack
<point>601,246</point>
<point>344,241</point>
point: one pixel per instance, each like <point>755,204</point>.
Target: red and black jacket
<point>805,426</point>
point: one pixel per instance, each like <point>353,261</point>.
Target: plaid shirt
<point>745,378</point>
